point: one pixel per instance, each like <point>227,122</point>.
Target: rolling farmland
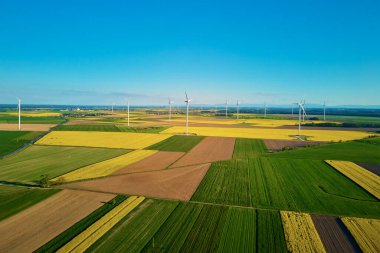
<point>29,164</point>
<point>298,185</point>
<point>102,139</point>
<point>106,167</point>
<point>12,140</point>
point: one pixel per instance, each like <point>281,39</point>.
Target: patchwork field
<point>267,133</point>
<point>12,140</point>
<point>106,167</point>
<point>158,161</point>
<point>285,184</point>
<point>334,235</point>
<point>350,151</point>
<point>29,164</point>
<point>14,199</point>
<point>361,176</point>
<point>35,226</point>
<point>278,145</point>
<point>178,183</point>
<point>248,148</point>
<point>179,143</point>
<point>366,232</point>
<point>210,149</point>
<point>102,139</point>
<point>300,233</point>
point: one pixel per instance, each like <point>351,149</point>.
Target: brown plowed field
<point>210,149</point>
<point>159,161</point>
<point>277,145</point>
<point>27,127</point>
<point>374,168</point>
<point>35,226</point>
<point>179,183</point>
<point>334,235</point>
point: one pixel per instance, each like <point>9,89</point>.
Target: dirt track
<point>159,161</point>
<point>277,145</point>
<point>374,168</point>
<point>210,149</point>
<point>35,226</point>
<point>179,183</point>
<point>27,127</point>
<point>334,235</point>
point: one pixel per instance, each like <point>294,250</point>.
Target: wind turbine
<point>237,109</point>
<point>265,109</point>
<point>170,108</point>
<point>19,114</point>
<point>324,110</point>
<point>226,108</point>
<point>187,101</point>
<point>112,107</point>
<point>301,108</point>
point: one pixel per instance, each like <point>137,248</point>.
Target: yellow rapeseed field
<point>300,233</point>
<point>366,233</point>
<point>107,167</point>
<point>102,139</point>
<point>254,122</point>
<point>267,133</point>
<point>361,176</point>
<point>33,114</point>
<point>85,239</point>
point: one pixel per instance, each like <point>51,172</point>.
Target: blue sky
<point>100,52</point>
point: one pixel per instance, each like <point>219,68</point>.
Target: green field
<point>248,148</point>
<point>10,119</point>
<point>12,140</point>
<point>14,199</point>
<point>66,236</point>
<point>136,229</point>
<point>178,143</point>
<point>286,184</point>
<point>110,128</point>
<point>34,161</point>
<point>367,150</point>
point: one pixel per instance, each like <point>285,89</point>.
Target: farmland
<point>267,133</point>
<point>102,139</point>
<point>366,232</point>
<point>180,143</point>
<point>286,184</point>
<point>106,167</point>
<point>109,128</point>
<point>14,199</point>
<point>361,176</point>
<point>29,164</point>
<point>248,148</point>
<point>12,140</point>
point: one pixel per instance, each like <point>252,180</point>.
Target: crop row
<point>286,184</point>
<point>85,239</point>
<point>361,176</point>
<point>106,167</point>
<point>248,148</point>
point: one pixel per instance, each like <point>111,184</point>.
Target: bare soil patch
<point>278,145</point>
<point>159,161</point>
<point>27,127</point>
<point>210,149</point>
<point>334,235</point>
<point>179,183</point>
<point>35,226</point>
<point>374,168</point>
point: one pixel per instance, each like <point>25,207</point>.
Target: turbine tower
<point>19,114</point>
<point>128,110</point>
<point>187,101</point>
<point>301,108</point>
<point>112,107</point>
<point>324,110</point>
<point>170,108</point>
<point>265,109</point>
<point>237,109</point>
<point>226,108</point>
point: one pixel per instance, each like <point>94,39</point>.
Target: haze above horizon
<point>102,52</point>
